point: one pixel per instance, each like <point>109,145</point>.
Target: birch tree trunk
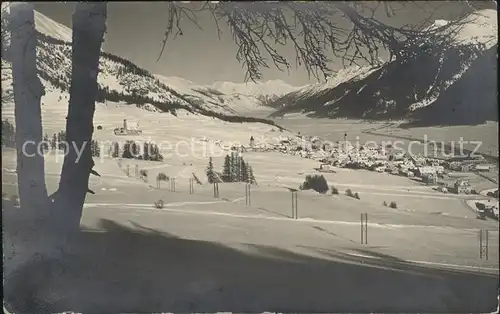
<point>28,91</point>
<point>24,235</point>
<point>89,25</point>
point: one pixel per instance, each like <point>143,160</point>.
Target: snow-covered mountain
<point>122,81</point>
<point>267,88</point>
<point>119,80</point>
<point>51,28</point>
<point>457,86</point>
<point>237,98</point>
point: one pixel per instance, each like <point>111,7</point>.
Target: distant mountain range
<point>457,86</point>
<point>229,97</point>
<point>120,80</point>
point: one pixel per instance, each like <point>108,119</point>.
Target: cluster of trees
<point>132,150</point>
<point>493,194</point>
<point>319,184</point>
<point>235,169</point>
<point>391,205</point>
<point>58,141</point>
<point>349,193</point>
<point>104,93</point>
<point>95,148</point>
<point>315,182</point>
<point>128,66</point>
<point>8,134</point>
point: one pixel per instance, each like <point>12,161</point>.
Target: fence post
<point>136,170</point>
<point>191,186</point>
<point>295,212</point>
<point>172,184</point>
<point>247,194</point>
<point>483,244</point>
<point>216,189</point>
<point>296,206</point>
<point>364,228</point>
<point>128,170</point>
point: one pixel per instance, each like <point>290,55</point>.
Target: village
<point>445,175</point>
<point>458,174</point>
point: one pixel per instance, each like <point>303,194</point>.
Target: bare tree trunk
<point>28,91</point>
<point>89,25</point>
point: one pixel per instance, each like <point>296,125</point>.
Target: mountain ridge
<point>402,89</point>
<point>119,79</point>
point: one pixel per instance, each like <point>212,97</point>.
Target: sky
<point>135,31</point>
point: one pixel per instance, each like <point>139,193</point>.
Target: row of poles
<point>248,194</point>
<point>483,234</point>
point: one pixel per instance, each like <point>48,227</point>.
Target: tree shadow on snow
<point>138,269</point>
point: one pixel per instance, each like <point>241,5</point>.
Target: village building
<point>429,178</point>
<point>460,187</point>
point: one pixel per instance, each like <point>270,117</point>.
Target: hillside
<point>236,98</point>
<point>269,88</point>
<point>120,80</point>
<point>434,87</point>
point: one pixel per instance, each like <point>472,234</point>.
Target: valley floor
<point>201,253</point>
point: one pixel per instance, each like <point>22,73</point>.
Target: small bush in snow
<point>335,191</point>
<point>99,127</point>
<point>159,204</point>
<point>349,193</point>
<point>356,195</point>
<point>162,177</point>
<point>143,173</point>
<point>393,205</point>
<point>384,203</point>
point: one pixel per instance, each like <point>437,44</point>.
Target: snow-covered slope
<point>267,88</point>
<point>119,79</point>
<point>201,96</point>
<point>403,88</point>
<point>237,98</point>
<point>51,28</point>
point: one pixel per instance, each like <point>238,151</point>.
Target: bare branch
<point>318,31</point>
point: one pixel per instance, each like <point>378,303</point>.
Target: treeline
<point>128,64</point>
<point>135,96</point>
<point>132,150</point>
<point>57,141</point>
<point>235,169</point>
<point>237,119</point>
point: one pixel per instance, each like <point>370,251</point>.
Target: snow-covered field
<point>188,140</point>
